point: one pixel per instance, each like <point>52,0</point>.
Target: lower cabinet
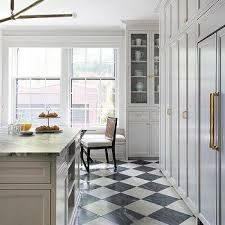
<point>143,134</point>
<point>17,207</point>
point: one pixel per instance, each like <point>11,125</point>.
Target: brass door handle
<point>212,124</point>
<point>185,115</point>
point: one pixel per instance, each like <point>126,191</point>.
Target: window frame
<point>98,78</point>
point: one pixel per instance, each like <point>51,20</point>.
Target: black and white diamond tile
<point>136,194</point>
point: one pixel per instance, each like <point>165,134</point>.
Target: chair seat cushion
<point>96,140</point>
<point>92,141</point>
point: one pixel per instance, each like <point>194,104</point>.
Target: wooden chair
<point>94,142</point>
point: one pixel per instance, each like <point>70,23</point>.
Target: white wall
<point>1,49</point>
<point>64,39</point>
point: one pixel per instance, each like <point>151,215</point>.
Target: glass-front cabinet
<point>143,66</point>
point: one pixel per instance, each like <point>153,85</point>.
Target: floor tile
<point>132,172</point>
<point>148,221</point>
<point>180,206</point>
<point>121,199</point>
<point>154,165</point>
<point>87,186</point>
<point>148,177</point>
<point>104,172</point>
<point>154,186</point>
<point>120,187</point>
<point>101,207</point>
<point>89,176</point>
<point>160,199</point>
<point>123,216</point>
<point>169,216</point>
<point>134,181</point>
<point>140,162</point>
<point>190,221</point>
<point>118,177</point>
<point>139,193</point>
<point>130,165</point>
<point>143,207</point>
<point>87,199</point>
<point>103,181</point>
<point>144,168</point>
<point>163,181</point>
<point>118,162</point>
<point>100,221</point>
<point>102,192</point>
<point>156,172</point>
<point>170,192</point>
<point>84,216</point>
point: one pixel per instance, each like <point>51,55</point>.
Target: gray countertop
<point>38,143</point>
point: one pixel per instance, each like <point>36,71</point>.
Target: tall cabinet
<point>142,71</point>
<point>192,121</point>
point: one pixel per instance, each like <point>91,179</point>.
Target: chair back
<point>111,128</point>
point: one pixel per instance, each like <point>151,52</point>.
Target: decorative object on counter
<point>139,86</point>
<point>138,41</point>
<point>48,128</point>
<point>139,55</point>
<point>138,73</point>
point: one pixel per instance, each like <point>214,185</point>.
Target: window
<point>93,86</point>
<point>37,80</point>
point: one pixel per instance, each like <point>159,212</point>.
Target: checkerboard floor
<point>136,194</point>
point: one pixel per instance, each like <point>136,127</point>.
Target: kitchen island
<point>39,178</point>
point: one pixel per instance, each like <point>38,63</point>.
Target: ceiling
<point>89,12</point>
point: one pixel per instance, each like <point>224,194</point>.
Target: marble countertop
<point>37,143</point>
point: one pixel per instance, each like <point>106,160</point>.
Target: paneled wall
<point>183,24</point>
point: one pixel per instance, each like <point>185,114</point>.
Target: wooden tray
<point>49,131</point>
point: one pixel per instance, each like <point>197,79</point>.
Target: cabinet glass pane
<point>156,68</point>
<point>139,59</point>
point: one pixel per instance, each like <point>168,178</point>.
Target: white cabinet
<point>183,17</point>
<point>174,17</point>
<point>168,21</point>
<point>192,8</point>
<point>208,156</point>
<point>25,207</point>
<point>183,114</point>
<point>192,114</point>
<point>175,113</point>
<point>138,139</point>
<point>221,46</point>
<point>203,4</point>
<point>143,92</point>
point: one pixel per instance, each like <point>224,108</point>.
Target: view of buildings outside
<point>92,84</point>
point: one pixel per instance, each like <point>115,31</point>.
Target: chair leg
<point>114,158</point>
<point>88,159</point>
<point>106,155</point>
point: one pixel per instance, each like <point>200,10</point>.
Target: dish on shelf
<point>139,86</point>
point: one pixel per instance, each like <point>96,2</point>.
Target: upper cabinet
<point>143,68</point>
<point>168,21</point>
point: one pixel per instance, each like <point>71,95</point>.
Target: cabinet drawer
<point>138,116</point>
<point>25,172</point>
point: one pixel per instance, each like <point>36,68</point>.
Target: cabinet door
<point>154,141</point>
<point>208,157</point>
<point>168,21</point>
<point>138,139</point>
<point>192,121</point>
<point>192,8</point>
<point>168,112</point>
<point>25,207</point>
<point>175,111</point>
<point>221,46</point>
<point>163,110</point>
<point>174,17</point>
<point>183,112</point>
<point>182,13</point>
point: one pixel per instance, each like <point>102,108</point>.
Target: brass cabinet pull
<point>212,124</point>
<point>185,115</point>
